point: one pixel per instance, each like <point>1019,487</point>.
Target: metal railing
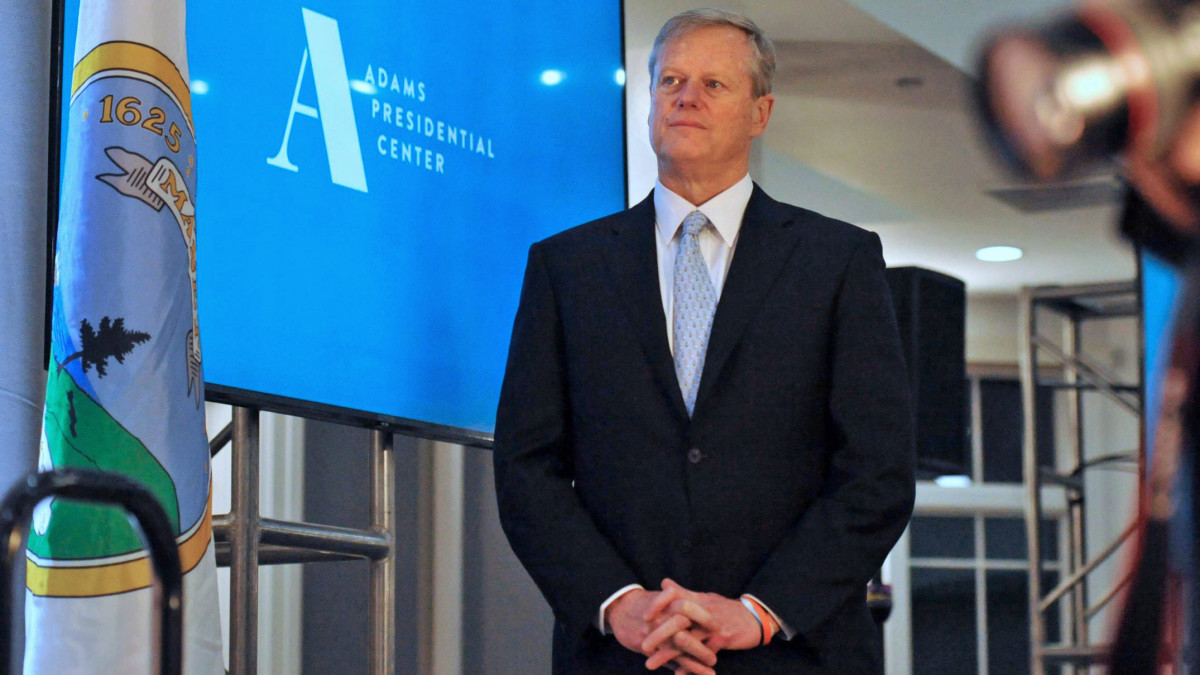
<point>16,511</point>
<point>244,540</point>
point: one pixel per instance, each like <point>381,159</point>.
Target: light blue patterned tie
<point>695,301</point>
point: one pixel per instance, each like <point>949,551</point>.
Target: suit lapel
<point>633,268</point>
<point>765,242</point>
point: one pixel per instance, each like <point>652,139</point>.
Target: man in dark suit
<point>703,444</point>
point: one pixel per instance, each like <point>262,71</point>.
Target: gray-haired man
<point>703,444</point>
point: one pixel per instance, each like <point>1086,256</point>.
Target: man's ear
<point>762,113</point>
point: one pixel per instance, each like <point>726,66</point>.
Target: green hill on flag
<point>79,433</point>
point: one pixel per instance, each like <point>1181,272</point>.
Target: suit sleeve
<point>842,539</point>
<point>573,564</point>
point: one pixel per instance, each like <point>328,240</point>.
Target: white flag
<point>125,390</point>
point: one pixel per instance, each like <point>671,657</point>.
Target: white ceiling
<point>905,161</point>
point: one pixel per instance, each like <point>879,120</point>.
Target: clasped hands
<point>681,629</point>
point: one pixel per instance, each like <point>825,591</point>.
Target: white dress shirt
<point>717,243</point>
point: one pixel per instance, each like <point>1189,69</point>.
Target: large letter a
<point>333,101</point>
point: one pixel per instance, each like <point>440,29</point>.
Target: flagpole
<point>53,161</point>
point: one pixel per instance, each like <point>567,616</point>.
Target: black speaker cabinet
<point>931,312</point>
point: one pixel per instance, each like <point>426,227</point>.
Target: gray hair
<point>763,70</point>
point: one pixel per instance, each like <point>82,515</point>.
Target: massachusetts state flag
<point>125,390</point>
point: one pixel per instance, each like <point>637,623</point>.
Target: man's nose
<point>689,93</point>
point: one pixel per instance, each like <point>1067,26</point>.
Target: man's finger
<point>662,657</point>
<point>685,664</point>
<point>660,603</point>
<point>688,643</point>
<point>696,614</point>
<point>664,632</point>
<point>718,640</point>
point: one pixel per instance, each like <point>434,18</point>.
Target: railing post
<point>381,605</point>
<point>1030,469</point>
<point>244,539</point>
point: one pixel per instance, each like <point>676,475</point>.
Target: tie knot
<point>695,223</point>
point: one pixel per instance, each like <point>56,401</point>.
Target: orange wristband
<point>769,626</point>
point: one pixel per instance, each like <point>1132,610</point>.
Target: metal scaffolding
<point>244,540</point>
<point>1075,306</point>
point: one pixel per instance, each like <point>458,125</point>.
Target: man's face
<point>702,110</point>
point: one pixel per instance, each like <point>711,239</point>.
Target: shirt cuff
<point>787,631</point>
<point>604,606</point>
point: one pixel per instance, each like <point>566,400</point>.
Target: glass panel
<point>944,638</point>
<point>1005,539</point>
<point>938,537</point>
<point>1008,619</point>
<point>1053,617</point>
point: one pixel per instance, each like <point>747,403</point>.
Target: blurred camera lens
<point>1105,79</point>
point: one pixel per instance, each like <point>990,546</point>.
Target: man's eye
<point>670,80</point>
<point>713,84</point>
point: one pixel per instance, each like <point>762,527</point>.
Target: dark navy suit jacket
<point>791,481</point>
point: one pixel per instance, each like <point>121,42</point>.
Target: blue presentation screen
<point>371,175</point>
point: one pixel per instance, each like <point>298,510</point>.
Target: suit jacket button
<point>695,456</point>
<point>685,546</point>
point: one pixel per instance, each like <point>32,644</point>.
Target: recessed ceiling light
<point>999,253</point>
<point>552,77</point>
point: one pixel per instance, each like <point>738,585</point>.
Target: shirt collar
<point>724,211</point>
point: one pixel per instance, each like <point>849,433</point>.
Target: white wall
<point>992,329</point>
<point>1112,491</point>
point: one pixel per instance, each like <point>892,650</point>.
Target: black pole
<point>106,488</point>
<point>53,162</point>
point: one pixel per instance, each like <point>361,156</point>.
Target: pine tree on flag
<point>112,340</point>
